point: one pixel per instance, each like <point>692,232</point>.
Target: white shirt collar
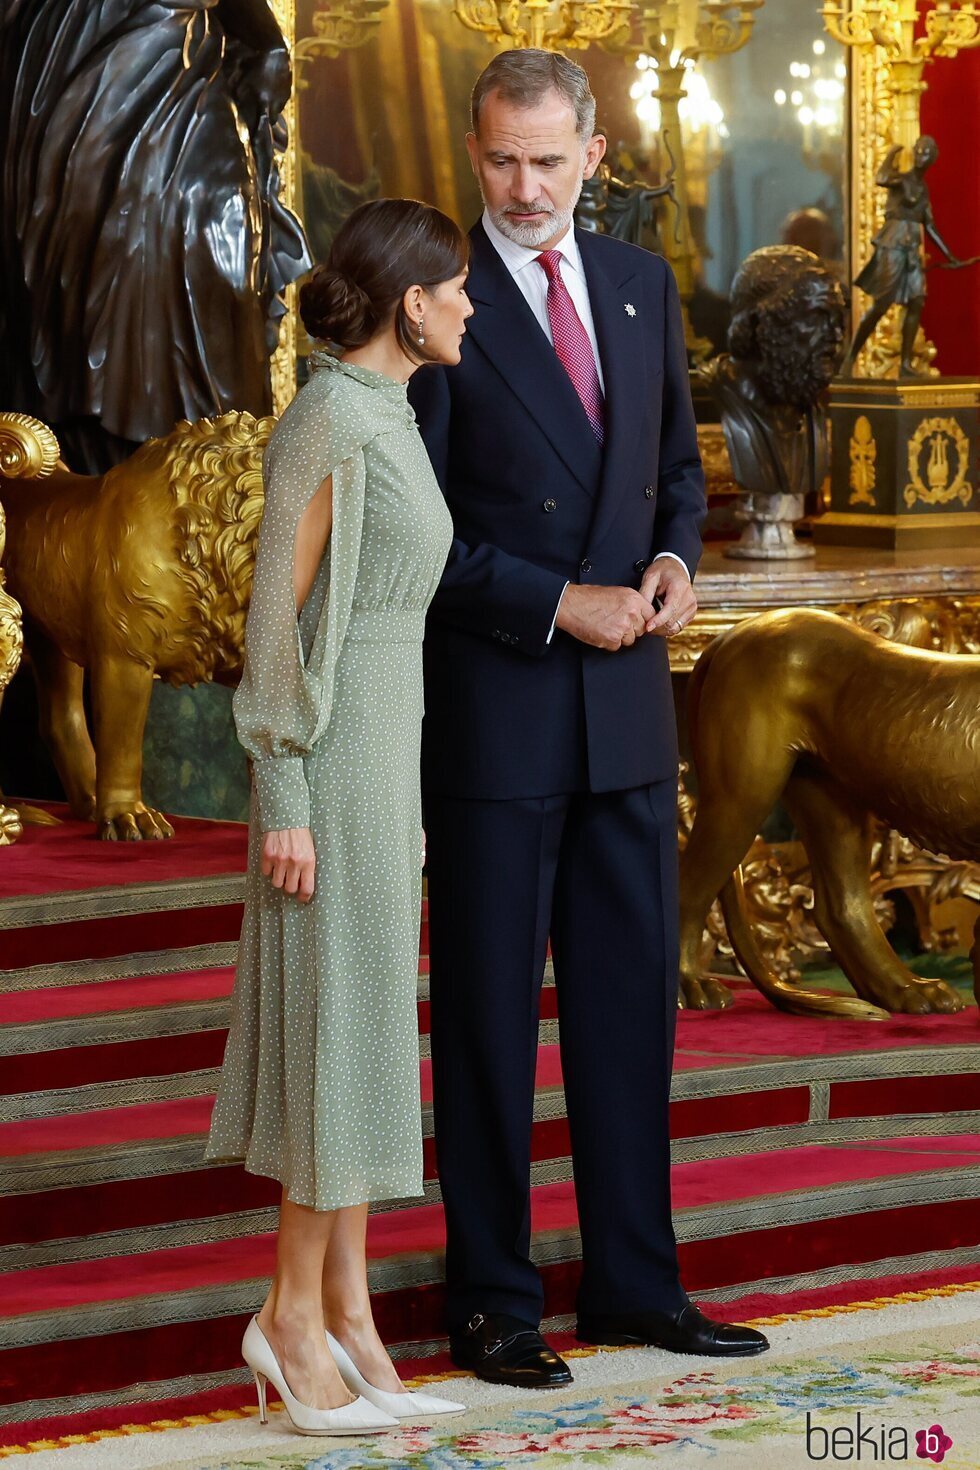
<point>516,257</point>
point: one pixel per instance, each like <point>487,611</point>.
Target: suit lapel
<point>504,327</point>
<point>622,350</point>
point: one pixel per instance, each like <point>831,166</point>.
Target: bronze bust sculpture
<point>895,274</point>
<point>784,344</point>
<point>143,246</point>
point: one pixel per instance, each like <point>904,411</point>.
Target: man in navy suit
<point>565,445</point>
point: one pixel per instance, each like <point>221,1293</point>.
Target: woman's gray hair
<point>526,77</point>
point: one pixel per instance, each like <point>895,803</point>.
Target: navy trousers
<point>598,871</point>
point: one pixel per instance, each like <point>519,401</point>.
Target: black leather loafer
<point>502,1349</point>
<point>686,1331</point>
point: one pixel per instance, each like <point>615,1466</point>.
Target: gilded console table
<point>931,598</point>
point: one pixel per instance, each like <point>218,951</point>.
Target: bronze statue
<point>843,727</point>
<point>144,249</point>
<point>142,573</point>
<point>895,274</point>
<point>613,203</point>
<point>784,342</point>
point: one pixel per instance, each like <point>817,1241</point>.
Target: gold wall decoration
<point>168,602</point>
<point>283,364</point>
<point>902,755</point>
<point>944,484</point>
<point>340,25</point>
<point>550,25</point>
<point>863,453</point>
<point>910,33</point>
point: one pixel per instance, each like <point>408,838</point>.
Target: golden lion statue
<point>141,573</point>
<point>842,726</point>
<point>11,645</point>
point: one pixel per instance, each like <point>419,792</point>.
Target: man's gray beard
<point>533,236</point>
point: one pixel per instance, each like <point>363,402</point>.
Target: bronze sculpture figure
<point>616,202</point>
<point>843,727</point>
<point>142,573</point>
<point>143,245</point>
<point>895,274</point>
<point>784,343</point>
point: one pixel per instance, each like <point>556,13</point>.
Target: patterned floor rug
<point>888,1381</point>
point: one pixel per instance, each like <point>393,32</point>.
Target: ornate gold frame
<point>284,358</point>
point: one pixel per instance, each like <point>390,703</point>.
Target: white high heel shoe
<point>407,1405</point>
<point>360,1417</point>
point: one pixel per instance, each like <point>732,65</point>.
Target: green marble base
<point>193,765</point>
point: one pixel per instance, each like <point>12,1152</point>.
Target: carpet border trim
<point>109,1028</point>
<point>221,955</point>
<point>117,900</point>
<point>124,1092</point>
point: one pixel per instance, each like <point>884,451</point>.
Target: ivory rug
<point>888,1381</point>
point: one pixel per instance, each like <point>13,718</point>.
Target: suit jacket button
<point>586,565</point>
<point>639,566</point>
<point>495,633</point>
<point>649,492</point>
<point>550,504</point>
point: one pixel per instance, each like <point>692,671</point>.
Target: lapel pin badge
<point>630,309</point>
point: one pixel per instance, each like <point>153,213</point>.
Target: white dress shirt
<point>532,282</point>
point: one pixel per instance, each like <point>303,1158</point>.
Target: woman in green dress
<point>320,1083</point>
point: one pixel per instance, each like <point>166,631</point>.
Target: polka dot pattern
<point>320,1083</point>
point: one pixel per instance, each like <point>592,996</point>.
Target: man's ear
<point>472,148</point>
<point>594,153</point>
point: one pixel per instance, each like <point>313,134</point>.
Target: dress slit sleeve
<point>282,705</point>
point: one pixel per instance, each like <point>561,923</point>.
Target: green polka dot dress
<point>320,1083</point>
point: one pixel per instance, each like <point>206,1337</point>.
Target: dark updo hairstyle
<point>383,248</point>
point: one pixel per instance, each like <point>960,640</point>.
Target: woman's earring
<point>421,331</point>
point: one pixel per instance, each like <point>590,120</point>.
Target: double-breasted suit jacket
<point>537,502</point>
<point>549,772</point>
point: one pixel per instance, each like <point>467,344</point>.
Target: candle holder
<point>548,25</point>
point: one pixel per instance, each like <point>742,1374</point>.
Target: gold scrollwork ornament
<point>942,487</point>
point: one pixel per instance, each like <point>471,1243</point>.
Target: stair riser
<point>123,934</point>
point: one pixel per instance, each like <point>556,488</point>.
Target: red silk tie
<point>572,342</point>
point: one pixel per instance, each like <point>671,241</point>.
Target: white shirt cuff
<point>674,557</point>
<point>555,618</point>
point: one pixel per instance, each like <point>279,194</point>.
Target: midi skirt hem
<point>371,1191</point>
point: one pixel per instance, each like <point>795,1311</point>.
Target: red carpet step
<point>804,1151</point>
<point>93,1326</point>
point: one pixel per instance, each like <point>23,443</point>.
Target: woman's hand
<point>289,859</point>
